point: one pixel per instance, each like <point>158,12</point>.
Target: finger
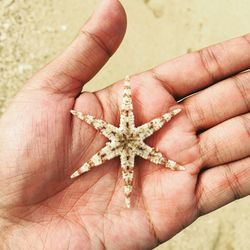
<point>97,41</point>
<point>220,102</point>
<point>226,142</point>
<point>192,72</point>
<point>222,185</point>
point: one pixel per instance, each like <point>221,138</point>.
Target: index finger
<point>195,71</point>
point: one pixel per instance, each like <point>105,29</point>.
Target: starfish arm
<point>153,155</point>
<point>127,115</point>
<point>127,165</point>
<point>149,153</point>
<point>110,151</point>
<point>151,127</point>
<point>106,129</point>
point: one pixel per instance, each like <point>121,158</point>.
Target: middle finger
<point>226,142</point>
<point>220,102</point>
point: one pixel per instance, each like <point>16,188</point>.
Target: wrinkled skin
<point>41,144</point>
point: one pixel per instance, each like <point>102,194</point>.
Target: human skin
<point>41,144</point>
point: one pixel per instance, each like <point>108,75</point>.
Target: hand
<point>41,145</point>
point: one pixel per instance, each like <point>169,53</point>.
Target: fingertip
<point>112,16</point>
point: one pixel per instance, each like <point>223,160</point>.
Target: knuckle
<point>241,84</point>
<point>233,182</point>
<point>210,152</point>
<point>196,114</point>
<point>98,41</point>
<point>246,124</point>
<point>159,78</point>
<point>247,38</point>
<point>210,62</point>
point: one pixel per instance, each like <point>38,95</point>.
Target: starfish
<point>126,141</point>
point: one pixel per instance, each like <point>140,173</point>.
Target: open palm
<point>41,145</point>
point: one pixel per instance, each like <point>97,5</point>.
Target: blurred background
<point>32,32</point>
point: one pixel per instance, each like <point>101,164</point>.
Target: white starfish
<point>127,141</point>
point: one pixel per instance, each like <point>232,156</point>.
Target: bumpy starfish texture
<point>127,141</point>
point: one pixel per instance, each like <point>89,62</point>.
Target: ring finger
<point>226,142</point>
<point>219,102</point>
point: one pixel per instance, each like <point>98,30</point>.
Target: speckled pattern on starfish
<point>127,141</point>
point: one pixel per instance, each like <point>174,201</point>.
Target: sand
<point>33,32</point>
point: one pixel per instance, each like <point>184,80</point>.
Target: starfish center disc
<point>128,139</point>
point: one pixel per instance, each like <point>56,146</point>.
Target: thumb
<point>95,44</point>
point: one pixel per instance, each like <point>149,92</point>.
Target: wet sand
<point>33,32</point>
